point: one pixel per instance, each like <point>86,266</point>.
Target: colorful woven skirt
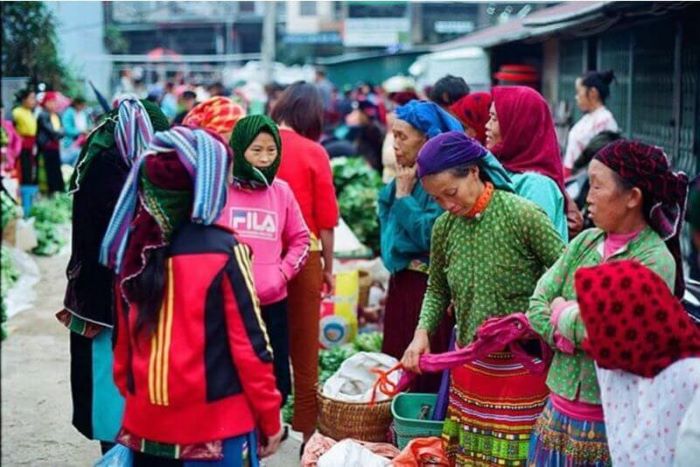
<point>561,441</point>
<point>494,403</point>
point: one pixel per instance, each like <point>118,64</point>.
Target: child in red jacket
<point>192,356</point>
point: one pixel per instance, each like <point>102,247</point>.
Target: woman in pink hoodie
<point>264,214</point>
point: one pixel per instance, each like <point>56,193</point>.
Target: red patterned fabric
<point>633,321</point>
<point>529,141</point>
<point>218,114</point>
<point>473,111</point>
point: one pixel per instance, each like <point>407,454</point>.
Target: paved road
<point>36,406</point>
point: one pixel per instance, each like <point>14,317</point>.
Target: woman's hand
<point>418,346</point>
<point>270,446</point>
<point>406,180</point>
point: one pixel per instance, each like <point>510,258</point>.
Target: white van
<point>470,63</point>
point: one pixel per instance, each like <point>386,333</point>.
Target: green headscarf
<point>102,139</point>
<point>245,131</point>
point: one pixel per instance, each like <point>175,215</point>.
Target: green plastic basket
<point>407,410</point>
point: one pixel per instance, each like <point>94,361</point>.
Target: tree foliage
<point>29,44</point>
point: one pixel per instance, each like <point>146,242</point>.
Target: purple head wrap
<point>454,149</point>
<point>448,150</point>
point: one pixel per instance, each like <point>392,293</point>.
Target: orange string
<point>383,383</point>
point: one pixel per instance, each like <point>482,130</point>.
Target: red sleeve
<point>325,207</point>
<point>250,347</point>
<point>121,343</point>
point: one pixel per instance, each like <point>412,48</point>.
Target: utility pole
<point>268,43</point>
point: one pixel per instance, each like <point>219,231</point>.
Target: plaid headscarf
<point>218,114</point>
<point>247,129</point>
<point>127,127</point>
<point>633,322</point>
<point>647,167</point>
<point>205,159</point>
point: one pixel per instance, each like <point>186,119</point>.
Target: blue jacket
<point>406,225</point>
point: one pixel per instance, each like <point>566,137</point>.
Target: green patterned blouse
<point>574,374</point>
<point>489,265</point>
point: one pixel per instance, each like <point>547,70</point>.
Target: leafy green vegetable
<point>288,409</point>
<point>357,187</point>
<point>369,342</point>
<point>9,209</point>
<point>9,277</point>
<point>49,215</point>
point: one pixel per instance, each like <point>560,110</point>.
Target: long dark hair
<point>301,107</point>
<point>599,80</point>
<point>146,290</point>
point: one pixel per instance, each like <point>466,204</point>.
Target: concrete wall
<point>298,24</point>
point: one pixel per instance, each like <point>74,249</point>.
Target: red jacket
<point>205,373</point>
<point>306,168</point>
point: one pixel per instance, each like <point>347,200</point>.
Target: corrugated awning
<point>585,17</point>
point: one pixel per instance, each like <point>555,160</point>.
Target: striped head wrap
<point>218,114</point>
<point>107,134</point>
<point>205,160</point>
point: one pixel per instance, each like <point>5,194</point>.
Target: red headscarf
<point>633,321</point>
<point>529,142</point>
<point>473,111</point>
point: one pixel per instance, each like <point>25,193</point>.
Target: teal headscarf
<point>245,131</point>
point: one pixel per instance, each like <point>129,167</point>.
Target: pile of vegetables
<point>49,215</point>
<point>8,279</point>
<point>357,187</point>
<point>329,362</point>
<point>9,273</point>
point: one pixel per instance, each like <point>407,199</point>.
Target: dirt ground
<point>36,403</point>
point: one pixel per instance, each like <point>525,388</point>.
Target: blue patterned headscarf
<point>428,118</point>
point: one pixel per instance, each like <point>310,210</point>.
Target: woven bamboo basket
<point>340,420</point>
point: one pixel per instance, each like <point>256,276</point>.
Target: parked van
<point>470,63</point>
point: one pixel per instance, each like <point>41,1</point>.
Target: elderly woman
<point>487,252</point>
<point>636,202</point>
<point>520,133</point>
<point>406,218</point>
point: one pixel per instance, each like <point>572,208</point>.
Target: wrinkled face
<point>609,202</point>
<point>493,128</point>
<point>262,152</point>
<point>454,194</point>
<point>407,142</point>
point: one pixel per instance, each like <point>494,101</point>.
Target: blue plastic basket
<point>412,414</point>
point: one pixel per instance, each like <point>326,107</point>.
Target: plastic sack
<point>422,452</point>
<point>354,380</point>
<point>118,456</point>
<point>25,234</point>
<point>338,324</point>
<point>348,453</point>
<point>22,294</point>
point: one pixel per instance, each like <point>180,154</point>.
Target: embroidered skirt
<point>562,441</point>
<point>494,403</point>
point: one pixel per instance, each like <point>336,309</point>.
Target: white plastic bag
<point>354,380</point>
<point>25,234</point>
<point>348,453</point>
<point>22,295</point>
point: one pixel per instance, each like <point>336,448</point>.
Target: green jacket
<point>575,374</point>
<point>488,266</point>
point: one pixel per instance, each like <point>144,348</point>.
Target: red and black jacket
<point>205,372</point>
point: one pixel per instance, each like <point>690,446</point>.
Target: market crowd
<point>202,243</point>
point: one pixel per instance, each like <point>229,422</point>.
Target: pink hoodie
<point>270,222</point>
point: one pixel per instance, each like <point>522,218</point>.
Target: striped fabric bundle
<point>206,161</point>
<point>133,131</point>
